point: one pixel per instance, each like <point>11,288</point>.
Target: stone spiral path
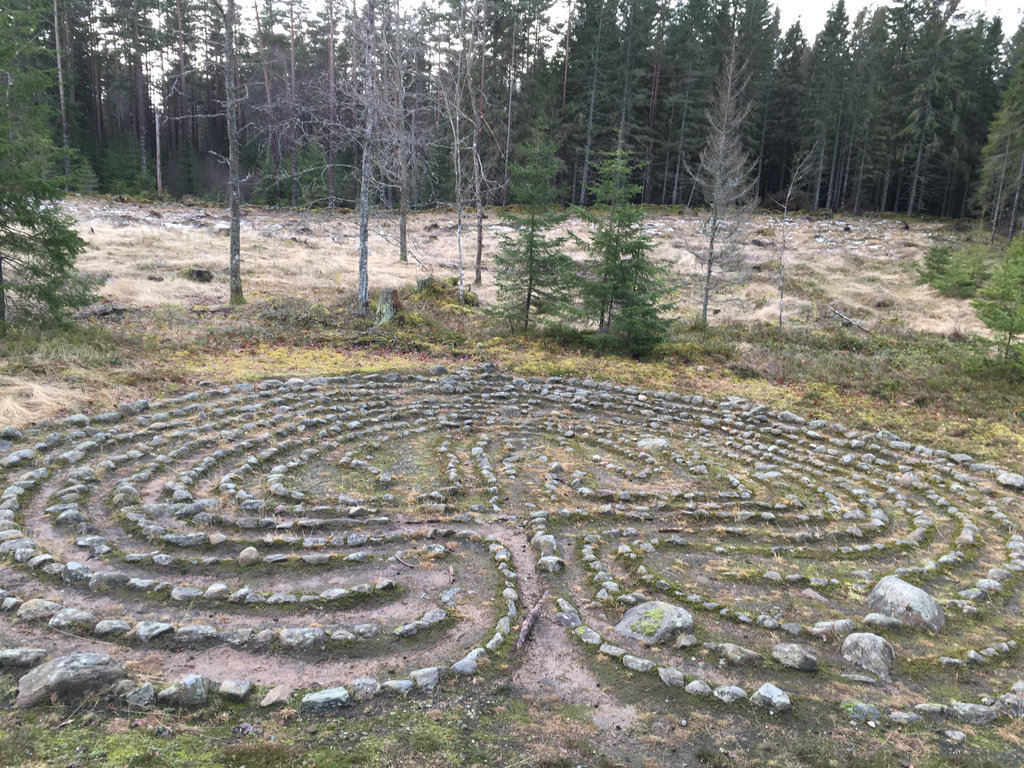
<point>378,534</point>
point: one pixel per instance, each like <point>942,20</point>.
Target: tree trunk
<point>508,112</point>
<point>917,174</point>
<point>292,103</point>
<point>1016,199</point>
<point>332,103</point>
<point>3,299</point>
<point>156,157</point>
<point>235,181</point>
<point>140,90</point>
<point>478,168</point>
<point>60,90</point>
<point>997,204</point>
<point>364,176</point>
<point>590,112</point>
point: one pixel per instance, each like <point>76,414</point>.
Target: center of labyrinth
<point>375,535</point>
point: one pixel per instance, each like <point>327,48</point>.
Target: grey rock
<point>68,677</point>
<point>772,698</point>
<point>365,688</point>
<point>1011,480</point>
<point>236,690</point>
<point>655,622</point>
<point>883,622</point>
<point>21,657</point>
<point>303,638</point>
<point>738,656</point>
<point>896,598</point>
<point>398,686</point>
<point>74,572</point>
<point>729,693</point>
<point>104,580</point>
<point>143,696</point>
<point>637,664</point>
<point>1012,704</point>
<point>249,556</point>
<point>698,688</point>
<point>279,694</point>
<point>975,714</point>
<point>858,710</point>
<point>111,628</point>
<point>148,631</point>
<point>869,652</point>
<point>672,677</point>
<point>38,610</point>
<point>72,619</point>
<point>795,656</point>
<point>905,718</point>
<point>426,678</point>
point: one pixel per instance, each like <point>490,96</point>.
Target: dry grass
<point>863,266</point>
<point>23,400</point>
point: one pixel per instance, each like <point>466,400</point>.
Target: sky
<point>811,13</point>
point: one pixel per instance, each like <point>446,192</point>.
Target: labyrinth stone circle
<point>326,541</point>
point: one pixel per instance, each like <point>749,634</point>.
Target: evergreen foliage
<point>622,288</point>
<point>1001,304</point>
<point>532,271</point>
<point>38,246</point>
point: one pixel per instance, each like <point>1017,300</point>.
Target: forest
<point>914,108</point>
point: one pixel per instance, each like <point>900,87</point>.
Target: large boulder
<point>655,622</point>
<point>68,677</point>
<point>869,653</point>
<point>896,598</point>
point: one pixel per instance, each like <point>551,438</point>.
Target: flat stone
<point>303,638</point>
<point>729,693</point>
<point>975,714</point>
<point>21,657</point>
<point>398,686</point>
<point>883,622</point>
<point>68,677</point>
<point>326,701</point>
<point>111,628</point>
<point>38,610</point>
<point>148,631</point>
<point>236,690</point>
<point>858,710</point>
<point>279,694</point>
<point>73,619</point>
<point>637,664</point>
<point>365,688</point>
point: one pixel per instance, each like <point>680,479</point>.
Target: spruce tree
<point>623,289</point>
<point>38,245</point>
<point>1001,304</point>
<point>532,269</point>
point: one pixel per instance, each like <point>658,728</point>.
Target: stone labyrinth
<point>377,535</point>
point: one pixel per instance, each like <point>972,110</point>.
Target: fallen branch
<point>407,565</point>
<point>847,319</point>
<point>530,620</point>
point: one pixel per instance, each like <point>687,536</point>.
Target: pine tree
<point>623,288</point>
<point>38,245</point>
<point>533,271</point>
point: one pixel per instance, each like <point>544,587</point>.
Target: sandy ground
<point>863,267</point>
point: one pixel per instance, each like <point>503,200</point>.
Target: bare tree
<point>366,170</point>
<point>231,104</point>
<point>797,175</point>
<point>725,179</point>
